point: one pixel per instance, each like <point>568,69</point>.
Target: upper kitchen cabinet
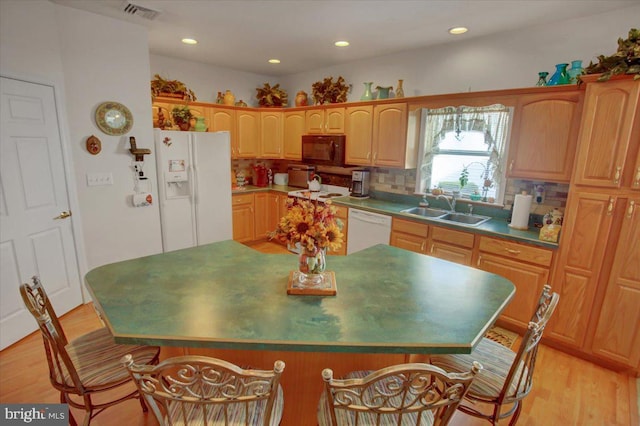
<point>544,135</point>
<point>162,116</point>
<point>609,135</point>
<point>377,135</point>
<point>248,134</point>
<point>325,120</point>
<point>294,122</point>
<point>271,134</point>
<point>224,119</point>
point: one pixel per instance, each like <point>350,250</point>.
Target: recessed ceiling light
<point>342,43</point>
<point>274,61</point>
<point>189,41</point>
<point>458,30</point>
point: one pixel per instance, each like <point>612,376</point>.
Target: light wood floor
<point>567,390</point>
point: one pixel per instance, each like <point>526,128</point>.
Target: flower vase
<point>575,71</point>
<point>542,78</point>
<point>560,76</point>
<point>311,264</point>
<point>200,125</point>
<point>383,92</point>
<point>400,90</point>
<point>229,98</point>
<point>367,95</point>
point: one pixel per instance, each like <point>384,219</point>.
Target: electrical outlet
<point>98,179</point>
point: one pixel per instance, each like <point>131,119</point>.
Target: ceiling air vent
<point>141,11</point>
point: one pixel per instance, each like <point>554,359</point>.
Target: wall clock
<point>113,118</point>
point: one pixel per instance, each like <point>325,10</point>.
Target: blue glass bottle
<point>575,71</point>
<point>560,76</point>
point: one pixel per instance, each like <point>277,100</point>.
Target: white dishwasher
<point>367,229</point>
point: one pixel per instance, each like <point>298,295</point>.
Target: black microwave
<point>323,149</point>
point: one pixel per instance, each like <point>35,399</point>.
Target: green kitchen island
<point>230,301</point>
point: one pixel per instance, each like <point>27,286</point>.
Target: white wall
<point>90,59</point>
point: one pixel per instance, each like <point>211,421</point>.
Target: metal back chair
<point>405,394</point>
<point>85,366</point>
<point>197,390</point>
<point>507,377</point>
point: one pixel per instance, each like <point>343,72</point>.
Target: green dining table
<point>230,301</point>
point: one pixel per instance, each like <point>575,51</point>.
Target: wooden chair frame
<point>63,372</point>
<point>411,390</point>
<point>202,389</point>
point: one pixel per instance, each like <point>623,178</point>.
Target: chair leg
<point>516,414</point>
<point>88,406</point>
<point>63,400</point>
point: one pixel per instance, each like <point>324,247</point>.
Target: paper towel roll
<point>521,209</point>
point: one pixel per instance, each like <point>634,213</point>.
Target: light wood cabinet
<point>409,235</point>
<point>389,135</point>
<point>358,129</point>
<point>342,213</point>
<point>261,217</point>
<point>616,334</point>
<point>544,136</point>
<point>325,120</point>
<point>454,246</point>
<point>526,266</point>
<point>242,208</point>
<point>161,116</point>
<point>607,144</point>
<point>248,134</point>
<point>224,119</point>
<point>294,122</point>
<point>271,134</point>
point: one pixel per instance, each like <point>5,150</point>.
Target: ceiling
<point>245,34</point>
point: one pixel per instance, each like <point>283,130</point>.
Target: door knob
<point>63,215</point>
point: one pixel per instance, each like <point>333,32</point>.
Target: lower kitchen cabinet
<point>409,235</point>
<point>242,206</point>
<point>527,267</point>
<point>451,245</point>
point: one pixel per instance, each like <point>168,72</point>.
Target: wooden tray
<point>329,288</point>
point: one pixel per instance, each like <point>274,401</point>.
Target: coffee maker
<point>360,183</point>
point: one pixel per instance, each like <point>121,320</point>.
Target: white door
<point>33,194</point>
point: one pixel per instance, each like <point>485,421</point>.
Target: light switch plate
<point>97,179</point>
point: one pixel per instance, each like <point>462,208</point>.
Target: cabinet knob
<point>511,166</point>
<point>616,176</point>
<point>512,251</point>
<point>632,206</point>
<point>636,179</point>
<point>611,205</point>
<point>369,155</point>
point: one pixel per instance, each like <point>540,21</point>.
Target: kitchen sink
<point>425,212</point>
<point>464,219</point>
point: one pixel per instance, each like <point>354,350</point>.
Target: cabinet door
<point>409,242</point>
<point>221,120</point>
<point>248,126</point>
<point>334,120</point>
<point>261,215</point>
<point>528,280</point>
<point>606,132</point>
<point>359,132</point>
<point>544,135</point>
<point>314,121</point>
<point>293,130</point>
<point>271,134</point>
<point>450,252</point>
<point>389,135</point>
<point>199,111</point>
<point>242,211</point>
<point>635,182</point>
<point>583,240</point>
<point>617,335</point>
<point>162,116</point>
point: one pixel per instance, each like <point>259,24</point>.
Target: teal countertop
<point>228,296</point>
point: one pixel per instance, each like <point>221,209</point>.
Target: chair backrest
<point>520,378</point>
<point>201,390</point>
<point>62,372</point>
<point>402,394</point>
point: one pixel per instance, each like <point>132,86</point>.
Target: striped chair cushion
<point>348,418</point>
<point>178,411</point>
<point>97,358</point>
<point>496,360</point>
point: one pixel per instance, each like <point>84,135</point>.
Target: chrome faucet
<point>452,203</point>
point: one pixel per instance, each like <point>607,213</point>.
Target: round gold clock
<point>113,118</point>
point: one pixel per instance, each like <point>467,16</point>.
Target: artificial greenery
<point>162,85</point>
<point>181,115</point>
<point>271,96</point>
<point>328,92</point>
<point>626,60</point>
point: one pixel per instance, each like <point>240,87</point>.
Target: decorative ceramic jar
<point>200,125</point>
<point>220,98</point>
<point>229,98</point>
<point>560,76</point>
<point>542,78</point>
<point>400,90</point>
<point>575,71</point>
<point>367,95</point>
<point>383,92</point>
<point>302,98</point>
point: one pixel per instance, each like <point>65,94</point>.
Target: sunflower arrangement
<point>312,224</point>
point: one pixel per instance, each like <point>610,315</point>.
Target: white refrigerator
<point>194,187</point>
